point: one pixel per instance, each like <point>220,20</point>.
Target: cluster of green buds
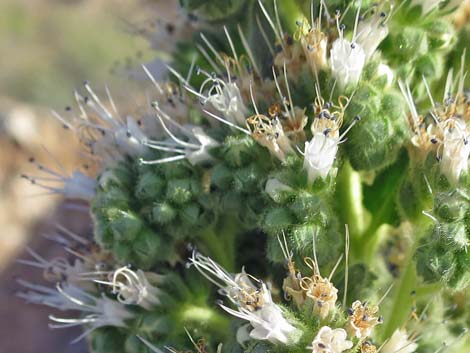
<point>277,124</point>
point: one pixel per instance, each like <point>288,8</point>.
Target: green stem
<point>219,242</point>
<point>402,298</point>
<point>290,11</point>
<point>348,197</point>
<point>204,316</point>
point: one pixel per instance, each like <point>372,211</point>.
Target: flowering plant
<point>294,154</point>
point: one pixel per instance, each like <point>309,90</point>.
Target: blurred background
<point>47,49</point>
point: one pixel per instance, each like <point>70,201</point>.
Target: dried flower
<point>362,319</point>
<point>322,293</point>
<point>448,132</point>
<point>368,347</point>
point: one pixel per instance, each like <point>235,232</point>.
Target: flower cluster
<point>261,138</point>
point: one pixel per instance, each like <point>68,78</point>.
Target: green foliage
<point>301,171</point>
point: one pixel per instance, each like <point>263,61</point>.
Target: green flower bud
<point>124,225</point>
<point>177,170</point>
<point>308,207</point>
<point>149,248</point>
<point>429,65</point>
<point>442,256</point>
<point>163,213</point>
<point>409,43</point>
<point>149,186</point>
<point>441,34</point>
<point>328,241</point>
<point>102,233</point>
<point>278,218</point>
<point>115,197</point>
<point>239,150</point>
<point>221,176</point>
<point>122,252</point>
<point>119,177</point>
<point>106,340</point>
<point>179,191</point>
<point>450,208</point>
<point>190,215</point>
<point>247,179</point>
<point>374,142</point>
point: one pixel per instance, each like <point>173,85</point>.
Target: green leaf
<point>380,197</point>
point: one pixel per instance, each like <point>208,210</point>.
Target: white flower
<point>75,186</point>
<point>193,145</point>
<point>129,138</point>
<point>385,70</point>
<point>226,99</point>
<point>254,302</point>
<point>58,268</point>
<point>195,150</point>
<point>399,343</point>
<point>268,322</point>
<point>320,152</point>
<point>330,341</point>
<point>347,61</point>
<point>455,151</point>
<point>274,188</point>
<point>371,32</point>
<point>319,155</point>
<point>133,288</point>
<point>97,311</point>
